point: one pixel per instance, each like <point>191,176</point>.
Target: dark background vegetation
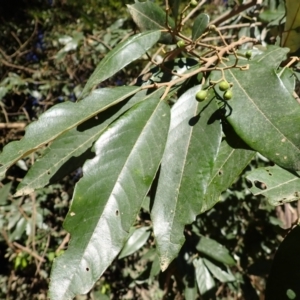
<point>48,49</point>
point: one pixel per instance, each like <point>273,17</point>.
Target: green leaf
<point>278,185</point>
<point>122,55</point>
<point>204,279</point>
<point>175,5</point>
<point>291,36</point>
<point>136,240</point>
<point>265,114</point>
<point>271,55</point>
<point>191,149</point>
<point>218,272</point>
<point>283,279</point>
<point>59,119</point>
<point>109,196</point>
<point>199,26</point>
<point>149,16</point>
<point>4,193</point>
<point>70,150</point>
<point>214,250</point>
<point>232,159</point>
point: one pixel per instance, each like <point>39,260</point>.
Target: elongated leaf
<point>229,164</point>
<point>70,150</point>
<point>108,197</point>
<point>58,120</point>
<point>275,183</point>
<point>271,55</point>
<point>291,36</point>
<point>175,4</point>
<point>204,279</point>
<point>137,240</point>
<point>122,55</point>
<point>192,147</point>
<point>267,119</point>
<point>214,250</point>
<point>199,26</point>
<point>283,280</point>
<point>149,16</point>
<point>218,272</point>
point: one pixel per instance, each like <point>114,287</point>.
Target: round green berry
<point>224,85</point>
<point>180,44</point>
<point>201,95</point>
<point>227,95</point>
<point>248,54</point>
<point>193,3</point>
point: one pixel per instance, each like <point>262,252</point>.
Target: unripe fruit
<point>201,95</point>
<point>224,86</point>
<point>248,54</point>
<point>180,44</point>
<point>227,95</point>
<point>193,3</point>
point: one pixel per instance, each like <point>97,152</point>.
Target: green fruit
<point>201,95</point>
<point>224,86</point>
<point>227,95</point>
<point>248,54</point>
<point>180,44</point>
<point>193,3</point>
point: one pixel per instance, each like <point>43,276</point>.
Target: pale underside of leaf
<point>191,149</point>
<point>122,55</point>
<point>60,119</point>
<point>108,197</point>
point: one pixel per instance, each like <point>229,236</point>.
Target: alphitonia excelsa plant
<point>170,138</point>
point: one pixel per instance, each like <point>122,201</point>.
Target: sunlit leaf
<point>266,116</point>
<point>58,120</point>
<point>218,272</point>
<point>191,149</point>
<point>122,55</point>
<point>70,150</point>
<point>275,183</point>
<point>204,279</point>
<point>149,16</point>
<point>108,197</point>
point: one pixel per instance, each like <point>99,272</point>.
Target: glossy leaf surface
<point>275,183</point>
<point>192,146</point>
<point>122,55</point>
<point>59,119</point>
<point>59,160</point>
<point>108,197</point>
<point>267,119</point>
<point>149,16</point>
<point>205,281</point>
<point>136,240</point>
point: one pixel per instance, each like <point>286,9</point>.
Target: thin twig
<point>233,12</point>
<point>30,252</point>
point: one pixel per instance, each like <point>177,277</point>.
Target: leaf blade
<point>199,26</point>
<point>58,120</point>
<point>114,185</point>
<point>122,55</point>
<point>186,168</point>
